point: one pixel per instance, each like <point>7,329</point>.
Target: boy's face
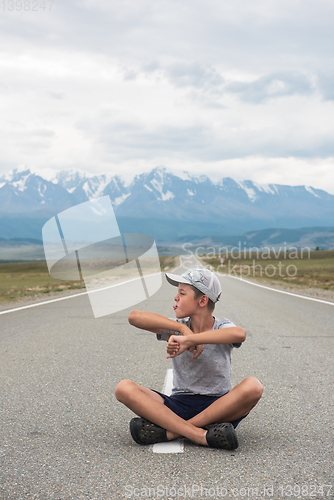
<point>185,302</point>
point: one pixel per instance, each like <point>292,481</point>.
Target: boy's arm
<point>156,323</point>
<point>231,335</point>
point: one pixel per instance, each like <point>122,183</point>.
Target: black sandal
<point>222,435</point>
<point>145,432</point>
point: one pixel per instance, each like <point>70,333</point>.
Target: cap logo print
<point>196,276</point>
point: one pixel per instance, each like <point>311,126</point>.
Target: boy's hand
<point>199,348</point>
<point>177,344</point>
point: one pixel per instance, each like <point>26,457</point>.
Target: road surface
<point>64,435</point>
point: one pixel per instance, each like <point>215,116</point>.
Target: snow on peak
<point>95,186</point>
<point>21,184</point>
<point>184,176</point>
<point>310,190</point>
<point>200,179</point>
<point>42,189</point>
<point>167,196</point>
<point>158,186</point>
<point>70,176</point>
<point>21,168</point>
<point>266,188</point>
<point>120,199</point>
<point>161,170</point>
<point>249,191</point>
<point>16,173</point>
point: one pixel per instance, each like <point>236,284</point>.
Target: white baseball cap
<point>204,280</point>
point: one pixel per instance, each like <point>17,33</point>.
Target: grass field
<point>308,269</point>
<point>20,280</point>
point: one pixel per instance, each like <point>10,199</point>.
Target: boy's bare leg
<point>150,405</point>
<point>237,403</point>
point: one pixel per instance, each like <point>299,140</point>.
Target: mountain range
<point>169,207</point>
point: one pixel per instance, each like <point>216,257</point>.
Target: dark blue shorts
<point>187,406</point>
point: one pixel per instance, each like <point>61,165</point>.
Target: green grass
<point>314,269</point>
<point>28,279</point>
<point>20,280</point>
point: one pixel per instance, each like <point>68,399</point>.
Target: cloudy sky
<point>239,88</point>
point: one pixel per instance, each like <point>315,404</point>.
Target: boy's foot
<point>145,432</point>
<point>221,435</point>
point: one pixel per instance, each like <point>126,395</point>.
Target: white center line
<point>177,445</point>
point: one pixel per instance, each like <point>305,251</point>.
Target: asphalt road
<point>64,436</point>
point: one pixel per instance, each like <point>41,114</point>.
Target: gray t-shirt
<point>210,373</point>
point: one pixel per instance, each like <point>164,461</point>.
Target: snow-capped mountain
<point>183,204</point>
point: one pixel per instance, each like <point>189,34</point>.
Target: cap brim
<point>175,279</point>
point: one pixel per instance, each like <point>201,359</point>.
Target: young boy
<point>203,406</point>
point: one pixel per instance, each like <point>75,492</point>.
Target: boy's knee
<point>123,389</point>
<point>254,387</point>
<point>257,387</point>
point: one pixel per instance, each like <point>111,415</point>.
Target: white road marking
<point>177,445</point>
<point>42,303</point>
<point>269,288</point>
<point>168,383</point>
<point>279,291</point>
<point>73,296</point>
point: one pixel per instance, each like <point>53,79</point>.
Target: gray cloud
<point>326,86</point>
<point>272,86</point>
<point>151,67</point>
<point>56,95</point>
<point>42,133</point>
<point>203,83</point>
<point>119,139</point>
<point>208,85</point>
<point>194,75</point>
<point>260,37</point>
<point>169,68</point>
<point>129,74</point>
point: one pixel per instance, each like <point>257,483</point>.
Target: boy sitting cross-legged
<point>203,406</point>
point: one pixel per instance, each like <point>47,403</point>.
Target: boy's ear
<point>204,299</point>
